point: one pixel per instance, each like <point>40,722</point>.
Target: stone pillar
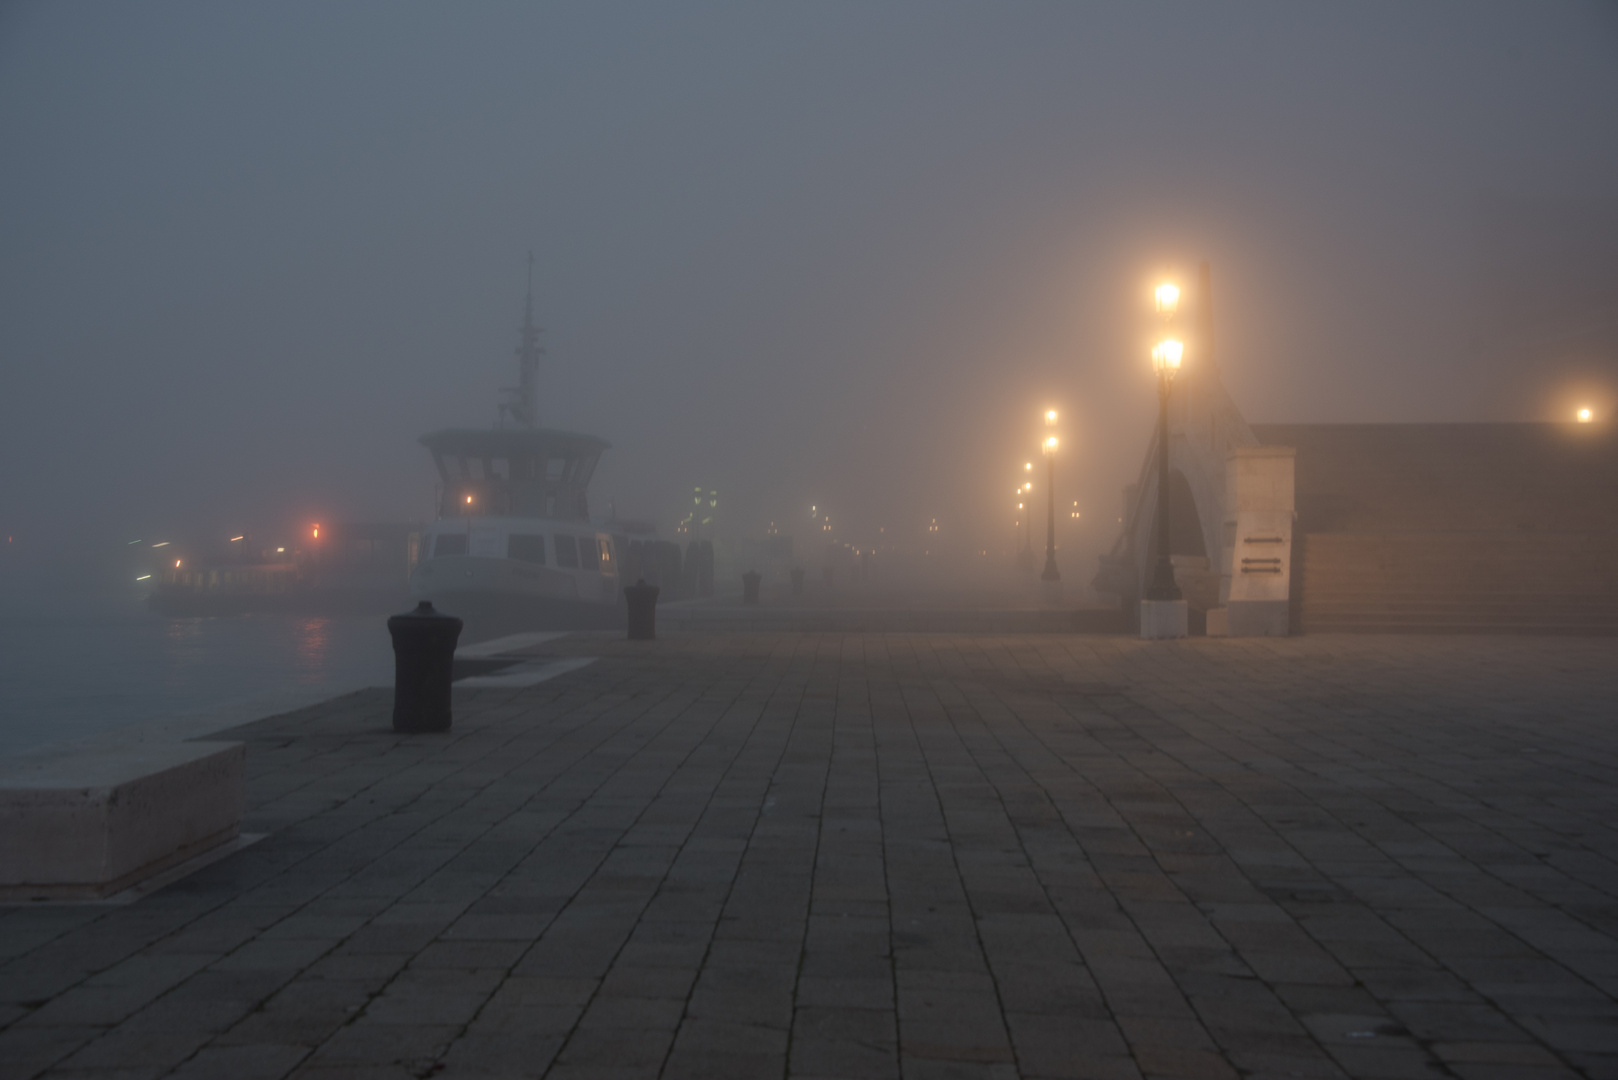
<point>1257,578</point>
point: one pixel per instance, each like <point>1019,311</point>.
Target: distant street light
<point>1585,415</point>
<point>1025,528</point>
<point>1050,572</point>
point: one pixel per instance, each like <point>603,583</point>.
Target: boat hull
<point>505,596</point>
<point>492,615</point>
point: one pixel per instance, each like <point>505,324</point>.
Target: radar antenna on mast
<point>519,406</point>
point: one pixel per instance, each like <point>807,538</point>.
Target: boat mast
<point>521,405</point>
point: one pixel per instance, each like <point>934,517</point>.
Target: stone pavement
<point>919,855</point>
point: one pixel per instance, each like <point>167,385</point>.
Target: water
<point>74,669</point>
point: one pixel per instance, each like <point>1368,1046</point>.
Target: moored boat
<point>514,544</point>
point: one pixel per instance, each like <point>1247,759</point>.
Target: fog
<point>840,255</point>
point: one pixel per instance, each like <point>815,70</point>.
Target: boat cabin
<point>514,472</point>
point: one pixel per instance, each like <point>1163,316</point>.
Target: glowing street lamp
<point>1585,415</point>
<point>1168,299</point>
<point>1050,573</point>
<point>1166,357</point>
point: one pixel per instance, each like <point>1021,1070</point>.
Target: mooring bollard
<point>750,582</point>
<point>797,581</point>
<point>423,655</point>
<point>642,600</point>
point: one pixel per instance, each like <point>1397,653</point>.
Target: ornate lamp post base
<point>1163,619</point>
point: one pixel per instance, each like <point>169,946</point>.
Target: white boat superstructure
<point>513,525</point>
<point>537,559</point>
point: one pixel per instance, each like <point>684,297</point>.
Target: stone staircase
<point>1456,582</point>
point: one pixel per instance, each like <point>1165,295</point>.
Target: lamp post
<point>1050,573</point>
<point>1166,356</point>
<point>1025,557</point>
<point>1016,534</point>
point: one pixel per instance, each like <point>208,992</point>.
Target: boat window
<point>449,544</point>
<point>589,554</point>
<point>526,548</point>
<point>567,552</point>
<point>554,467</point>
<point>474,468</point>
<point>499,468</point>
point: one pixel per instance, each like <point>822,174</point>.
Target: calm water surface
<point>69,670</point>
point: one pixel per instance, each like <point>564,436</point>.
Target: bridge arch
<point>1196,512</point>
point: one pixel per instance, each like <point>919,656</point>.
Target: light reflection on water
<point>313,646</point>
<point>66,673</point>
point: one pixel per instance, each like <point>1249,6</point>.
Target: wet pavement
<point>881,855</point>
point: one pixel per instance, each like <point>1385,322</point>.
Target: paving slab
<point>770,852</point>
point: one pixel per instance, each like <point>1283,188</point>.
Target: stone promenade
<point>919,855</point>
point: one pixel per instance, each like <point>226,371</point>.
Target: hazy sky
<point>818,252</point>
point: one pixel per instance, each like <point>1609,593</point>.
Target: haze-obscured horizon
<point>830,254</point>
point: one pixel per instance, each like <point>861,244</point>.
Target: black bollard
<point>642,600</point>
<point>423,654</point>
<point>750,582</point>
<point>797,581</point>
